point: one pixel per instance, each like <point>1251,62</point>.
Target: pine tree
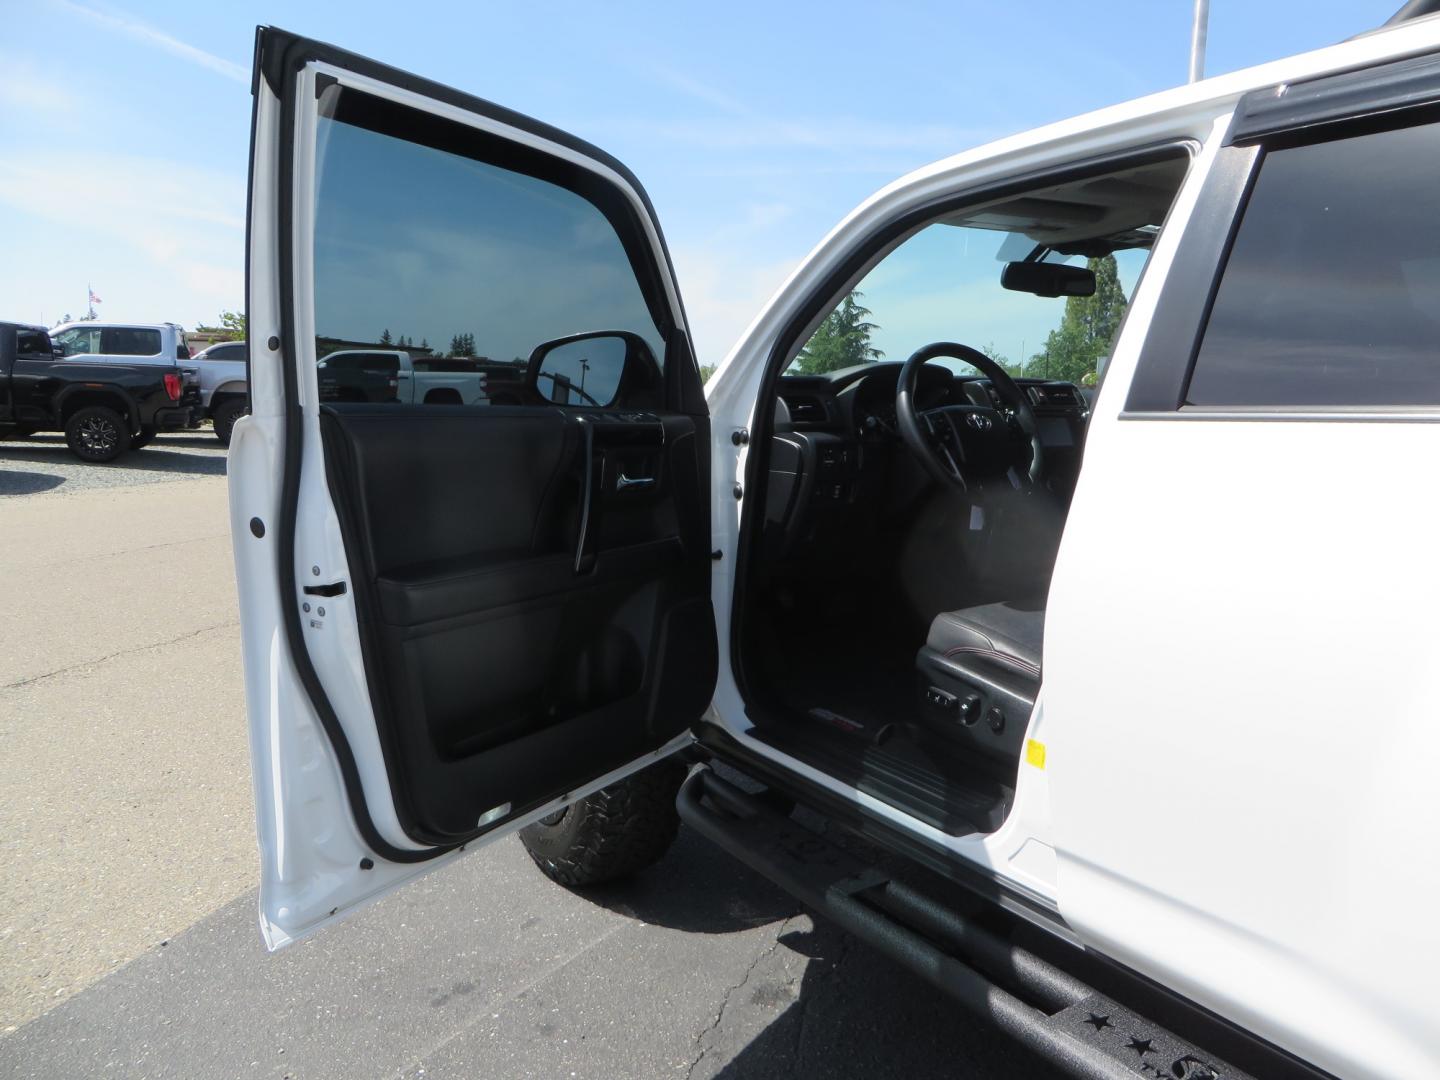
<point>385,336</point>
<point>842,340</point>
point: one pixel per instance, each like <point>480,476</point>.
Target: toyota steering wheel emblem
<point>978,422</point>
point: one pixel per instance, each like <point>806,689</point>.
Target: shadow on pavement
<point>16,482</point>
<point>857,1014</point>
<point>698,889</point>
<point>160,456</point>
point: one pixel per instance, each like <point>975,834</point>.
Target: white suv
<point>1154,677</point>
<point>124,343</point>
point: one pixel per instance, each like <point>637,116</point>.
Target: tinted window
<point>182,348</point>
<point>33,344</point>
<point>451,257</point>
<point>234,351</point>
<point>379,363</point>
<point>1331,294</point>
<point>129,341</point>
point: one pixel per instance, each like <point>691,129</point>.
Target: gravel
<point>42,464</point>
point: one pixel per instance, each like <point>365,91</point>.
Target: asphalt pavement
<point>128,939</point>
<point>43,463</point>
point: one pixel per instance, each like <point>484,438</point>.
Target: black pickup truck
<point>104,409</point>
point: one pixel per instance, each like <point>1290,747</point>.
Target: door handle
<point>625,483</point>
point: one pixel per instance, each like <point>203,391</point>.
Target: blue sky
<point>754,127</point>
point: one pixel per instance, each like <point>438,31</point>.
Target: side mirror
<point>1048,279</point>
<point>58,351</point>
<point>594,370</point>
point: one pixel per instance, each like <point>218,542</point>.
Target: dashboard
<point>860,402</point>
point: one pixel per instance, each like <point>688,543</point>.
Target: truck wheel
<point>224,418</point>
<point>612,833</point>
<point>97,433</point>
<point>142,439</point>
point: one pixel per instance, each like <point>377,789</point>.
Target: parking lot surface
<point>128,944</point>
<point>43,463</point>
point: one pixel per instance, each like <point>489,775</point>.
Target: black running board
<point>1059,1017</point>
<point>958,804</point>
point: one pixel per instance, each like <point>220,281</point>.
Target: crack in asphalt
<point>760,957</point>
<point>33,679</point>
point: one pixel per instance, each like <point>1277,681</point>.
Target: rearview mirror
<point>1048,279</point>
<point>594,370</point>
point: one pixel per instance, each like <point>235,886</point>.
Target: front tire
<point>612,833</point>
<point>97,434</point>
<point>224,418</point>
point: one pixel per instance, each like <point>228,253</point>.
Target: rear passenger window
<point>129,341</point>
<point>1331,294</point>
<point>435,242</point>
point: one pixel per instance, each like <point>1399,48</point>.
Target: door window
<point>1331,294</point>
<point>79,340</point>
<point>33,345</point>
<point>129,341</point>
<point>466,265</point>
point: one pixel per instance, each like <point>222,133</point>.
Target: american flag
<point>95,299</point>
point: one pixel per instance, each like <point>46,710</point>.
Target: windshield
<point>943,284</point>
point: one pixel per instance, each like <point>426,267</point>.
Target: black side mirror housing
<point>594,370</point>
<point>1048,279</point>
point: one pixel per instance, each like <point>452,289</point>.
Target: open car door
<point>457,616</point>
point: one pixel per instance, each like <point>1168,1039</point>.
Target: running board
<point>1061,1018</point>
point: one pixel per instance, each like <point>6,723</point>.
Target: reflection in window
<point>458,267</point>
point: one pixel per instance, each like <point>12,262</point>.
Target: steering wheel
<point>963,444</point>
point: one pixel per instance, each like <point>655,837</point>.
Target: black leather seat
<point>1008,634</point>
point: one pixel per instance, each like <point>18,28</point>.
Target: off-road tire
<point>97,434</point>
<point>611,834</point>
<point>143,439</point>
<point>224,417</point>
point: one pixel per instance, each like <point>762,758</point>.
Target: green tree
<point>842,340</point>
<point>993,352</point>
<point>1074,349</point>
<point>385,337</point>
<point>706,370</point>
<point>424,344</point>
<point>462,345</point>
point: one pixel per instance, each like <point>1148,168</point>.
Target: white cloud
<point>133,28</point>
<point>158,238</point>
<point>724,290</point>
<point>745,127</point>
<point>27,88</point>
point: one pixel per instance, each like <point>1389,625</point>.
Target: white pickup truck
<point>394,375</point>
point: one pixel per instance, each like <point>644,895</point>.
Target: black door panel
<point>501,662</point>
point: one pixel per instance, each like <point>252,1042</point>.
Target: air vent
<point>805,409</point>
<point>1055,396</point>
